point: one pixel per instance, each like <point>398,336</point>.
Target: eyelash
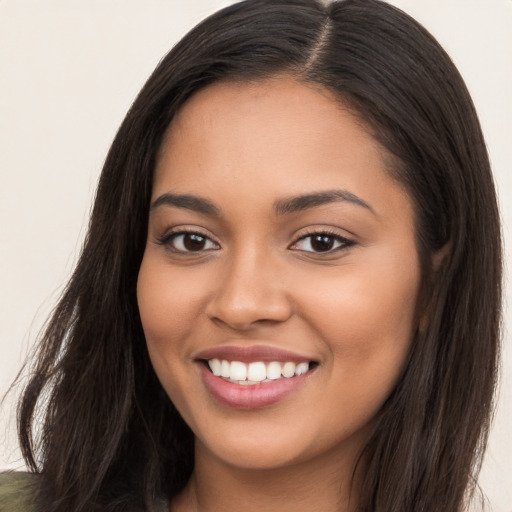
<point>344,243</point>
<point>169,238</point>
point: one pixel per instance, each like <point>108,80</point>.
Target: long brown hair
<point>111,439</point>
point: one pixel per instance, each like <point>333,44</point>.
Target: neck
<point>317,484</point>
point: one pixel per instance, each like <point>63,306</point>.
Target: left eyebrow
<point>300,203</point>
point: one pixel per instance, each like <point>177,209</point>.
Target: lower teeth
<point>250,382</point>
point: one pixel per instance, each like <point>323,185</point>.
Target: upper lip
<point>250,354</point>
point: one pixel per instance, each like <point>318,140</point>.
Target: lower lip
<point>250,396</point>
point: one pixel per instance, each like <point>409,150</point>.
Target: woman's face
<point>279,248</point>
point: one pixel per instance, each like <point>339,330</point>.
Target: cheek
<point>168,305</point>
<point>368,331</point>
<point>376,294</point>
<point>373,316</point>
<point>366,315</point>
<point>167,309</point>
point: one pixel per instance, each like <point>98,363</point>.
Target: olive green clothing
<point>17,492</point>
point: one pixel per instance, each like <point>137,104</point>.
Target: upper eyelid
<point>174,232</point>
<point>336,237</point>
<point>324,231</point>
<point>178,230</point>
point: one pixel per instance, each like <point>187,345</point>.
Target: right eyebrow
<point>189,202</point>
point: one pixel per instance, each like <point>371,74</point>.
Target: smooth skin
<point>337,282</point>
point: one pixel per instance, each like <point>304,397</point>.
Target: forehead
<point>277,136</point>
<point>232,99</point>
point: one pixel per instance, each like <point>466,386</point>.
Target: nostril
<point>242,305</point>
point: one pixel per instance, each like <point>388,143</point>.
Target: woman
<point>289,294</point>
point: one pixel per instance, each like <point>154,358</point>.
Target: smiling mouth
<point>257,372</point>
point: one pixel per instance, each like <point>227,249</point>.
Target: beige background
<point>68,72</point>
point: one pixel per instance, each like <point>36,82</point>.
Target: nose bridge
<point>250,288</point>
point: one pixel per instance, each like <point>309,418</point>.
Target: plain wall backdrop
<point>70,69</point>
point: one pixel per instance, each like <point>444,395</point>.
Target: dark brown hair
<point>111,439</point>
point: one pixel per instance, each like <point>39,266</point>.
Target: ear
<point>439,257</point>
<point>437,262</point>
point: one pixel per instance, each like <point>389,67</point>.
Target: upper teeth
<point>255,372</point>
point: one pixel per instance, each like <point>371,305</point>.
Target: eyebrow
<point>283,206</point>
<point>187,201</point>
<point>304,202</point>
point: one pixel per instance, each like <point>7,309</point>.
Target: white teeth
<point>273,370</point>
<point>238,371</point>
<point>288,369</point>
<point>225,369</point>
<point>256,372</point>
<point>301,368</point>
<point>215,366</point>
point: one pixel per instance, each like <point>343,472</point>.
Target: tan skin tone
<point>257,275</point>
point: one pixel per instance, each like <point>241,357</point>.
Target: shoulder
<point>17,492</point>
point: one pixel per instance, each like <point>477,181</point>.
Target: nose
<point>250,292</point>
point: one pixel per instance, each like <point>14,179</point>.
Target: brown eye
<point>193,242</point>
<point>322,242</point>
<point>190,242</point>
